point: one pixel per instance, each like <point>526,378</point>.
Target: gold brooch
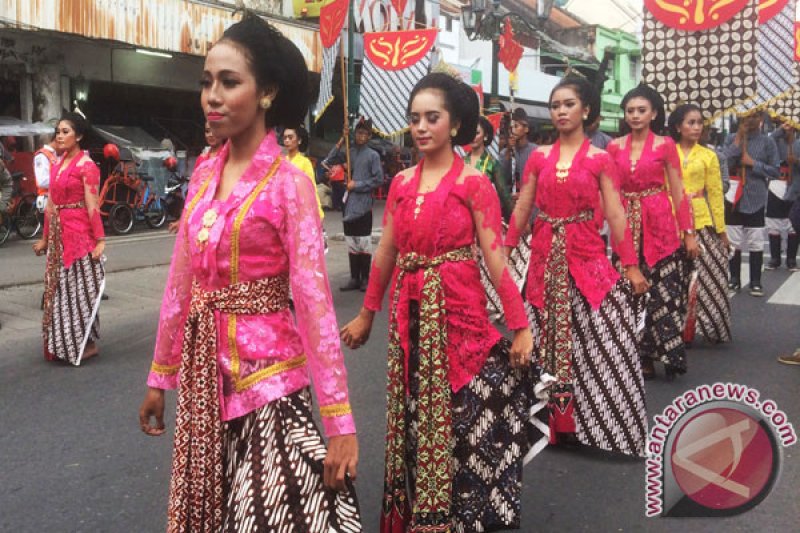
<point>562,171</point>
<point>209,217</point>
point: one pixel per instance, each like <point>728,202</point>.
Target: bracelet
<point>98,239</point>
<point>689,232</point>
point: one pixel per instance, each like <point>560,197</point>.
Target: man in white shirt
<point>43,161</point>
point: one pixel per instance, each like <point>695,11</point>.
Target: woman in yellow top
<point>295,140</point>
<point>702,181</point>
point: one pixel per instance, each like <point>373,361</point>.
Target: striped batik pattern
<point>609,388</point>
<point>384,94</point>
<point>610,411</point>
<point>713,303</point>
<point>775,67</point>
<point>329,56</point>
<point>76,301</point>
<point>273,477</point>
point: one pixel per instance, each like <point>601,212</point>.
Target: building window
<point>634,72</point>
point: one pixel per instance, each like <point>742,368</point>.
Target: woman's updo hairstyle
<point>79,124</point>
<point>586,94</point>
<point>488,130</point>
<point>460,100</point>
<point>657,103</point>
<point>275,62</point>
<point>677,117</point>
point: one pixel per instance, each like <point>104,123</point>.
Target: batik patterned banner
<point>776,69</point>
<point>393,63</point>
<point>329,57</point>
<point>693,57</point>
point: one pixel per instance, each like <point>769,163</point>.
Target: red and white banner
<point>331,21</point>
<point>393,63</point>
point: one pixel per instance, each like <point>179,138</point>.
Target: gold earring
<point>265,103</point>
<point>453,132</point>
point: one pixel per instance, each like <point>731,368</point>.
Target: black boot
<point>756,262</point>
<point>735,264</point>
<point>791,252</point>
<point>355,271</point>
<point>366,264</point>
<point>774,252</point>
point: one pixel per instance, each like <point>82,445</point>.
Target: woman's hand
<point>40,247</point>
<point>507,251</point>
<point>98,249</point>
<point>356,333</point>
<point>152,406</point>
<point>692,248</point>
<point>521,348</point>
<point>635,276</point>
<point>341,460</point>
<point>725,240</point>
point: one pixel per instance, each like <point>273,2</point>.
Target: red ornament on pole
<point>331,20</point>
<point>510,50</point>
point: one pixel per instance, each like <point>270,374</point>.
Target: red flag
<point>510,50</point>
<point>396,50</point>
<point>495,119</point>
<point>331,20</point>
<point>797,41</point>
<point>399,6</point>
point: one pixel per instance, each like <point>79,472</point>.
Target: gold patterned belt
<point>195,502</point>
<point>644,194</point>
<point>413,261</point>
<point>76,205</point>
<point>583,216</point>
<point>635,213</point>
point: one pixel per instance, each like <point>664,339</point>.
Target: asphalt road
<point>72,457</point>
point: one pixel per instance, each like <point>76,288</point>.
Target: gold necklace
<point>562,171</point>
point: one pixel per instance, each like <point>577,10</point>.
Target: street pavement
<point>72,457</point>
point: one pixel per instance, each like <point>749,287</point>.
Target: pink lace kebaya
<point>660,227</point>
<point>588,264</point>
<point>270,355</point>
<point>80,230</point>
<point>450,217</point>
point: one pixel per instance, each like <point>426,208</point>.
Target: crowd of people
<point>247,324</point>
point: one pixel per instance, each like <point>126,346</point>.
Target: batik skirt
<point>713,306</point>
<point>662,338</point>
<point>273,473</point>
<point>71,308</point>
<point>609,399</point>
<point>493,432</point>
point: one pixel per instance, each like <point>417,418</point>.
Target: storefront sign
<point>179,26</point>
